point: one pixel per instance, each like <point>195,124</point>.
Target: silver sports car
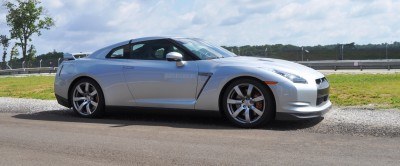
<point>190,74</point>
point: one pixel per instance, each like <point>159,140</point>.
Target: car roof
<point>156,38</point>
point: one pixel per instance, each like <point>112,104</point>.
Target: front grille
<point>322,99</point>
<point>323,90</point>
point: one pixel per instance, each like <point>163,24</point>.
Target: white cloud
<point>86,25</point>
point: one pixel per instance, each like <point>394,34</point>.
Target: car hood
<point>271,64</point>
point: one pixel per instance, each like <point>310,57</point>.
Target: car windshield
<point>205,50</point>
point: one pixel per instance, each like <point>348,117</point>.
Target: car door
<point>155,82</point>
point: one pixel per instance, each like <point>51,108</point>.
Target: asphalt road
<point>179,138</point>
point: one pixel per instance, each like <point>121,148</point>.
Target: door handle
<point>129,67</point>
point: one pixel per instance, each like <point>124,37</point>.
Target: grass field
<point>378,90</point>
<point>37,87</point>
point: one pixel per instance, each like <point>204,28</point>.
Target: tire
<point>87,98</point>
<point>248,110</point>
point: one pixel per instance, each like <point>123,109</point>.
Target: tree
<point>26,18</point>
<point>14,52</point>
<point>31,53</point>
<point>5,42</point>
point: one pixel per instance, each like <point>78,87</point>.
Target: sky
<point>88,25</point>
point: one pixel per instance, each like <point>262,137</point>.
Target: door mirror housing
<point>174,56</point>
<point>177,57</point>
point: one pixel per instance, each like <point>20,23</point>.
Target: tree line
<point>25,18</point>
<point>349,51</point>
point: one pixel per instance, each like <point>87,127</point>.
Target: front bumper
<point>307,112</point>
<point>303,101</point>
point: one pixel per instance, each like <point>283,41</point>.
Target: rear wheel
<point>248,103</point>
<point>87,98</point>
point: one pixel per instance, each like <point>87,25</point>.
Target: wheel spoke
<point>87,87</point>
<point>237,112</point>
<point>82,105</point>
<point>259,98</point>
<point>79,98</point>
<point>238,91</point>
<point>94,103</point>
<point>257,111</point>
<point>232,101</point>
<point>247,115</point>
<point>79,89</point>
<point>93,93</point>
<point>88,109</point>
<point>249,90</point>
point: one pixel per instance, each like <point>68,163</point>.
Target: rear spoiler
<point>74,56</point>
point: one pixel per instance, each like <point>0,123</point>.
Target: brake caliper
<point>259,104</point>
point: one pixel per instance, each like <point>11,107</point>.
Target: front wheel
<point>248,103</point>
<point>87,98</point>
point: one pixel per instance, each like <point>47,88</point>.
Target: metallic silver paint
<point>157,83</point>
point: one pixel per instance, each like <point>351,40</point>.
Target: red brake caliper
<point>258,105</point>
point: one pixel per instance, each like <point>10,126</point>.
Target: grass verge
<point>35,87</point>
<point>378,90</point>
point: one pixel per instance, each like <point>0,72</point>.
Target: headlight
<point>292,77</point>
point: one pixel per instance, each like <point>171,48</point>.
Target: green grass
<point>36,87</point>
<point>379,90</point>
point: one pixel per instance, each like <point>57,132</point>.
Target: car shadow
<point>176,119</point>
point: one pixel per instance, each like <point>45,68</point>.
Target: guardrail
<point>29,70</point>
<point>318,65</point>
<point>353,64</point>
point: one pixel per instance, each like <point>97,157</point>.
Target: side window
<point>159,54</point>
<point>118,53</point>
<point>137,51</point>
<point>153,50</point>
<point>174,49</point>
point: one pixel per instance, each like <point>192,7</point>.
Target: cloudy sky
<point>86,25</point>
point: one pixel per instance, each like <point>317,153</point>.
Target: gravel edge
<point>339,120</point>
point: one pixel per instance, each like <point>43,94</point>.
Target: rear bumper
<point>299,113</point>
<point>63,101</point>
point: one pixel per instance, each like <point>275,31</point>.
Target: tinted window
<point>118,53</point>
<point>153,50</point>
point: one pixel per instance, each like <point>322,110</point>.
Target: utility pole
<point>266,51</point>
<point>302,53</point>
<point>342,52</point>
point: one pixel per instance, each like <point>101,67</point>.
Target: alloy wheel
<point>245,103</point>
<point>85,98</point>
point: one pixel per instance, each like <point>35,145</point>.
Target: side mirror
<point>177,57</point>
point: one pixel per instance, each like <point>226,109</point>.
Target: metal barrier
<point>318,65</point>
<point>29,71</point>
<point>353,64</point>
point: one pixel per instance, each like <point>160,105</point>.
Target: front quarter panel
<point>221,75</point>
